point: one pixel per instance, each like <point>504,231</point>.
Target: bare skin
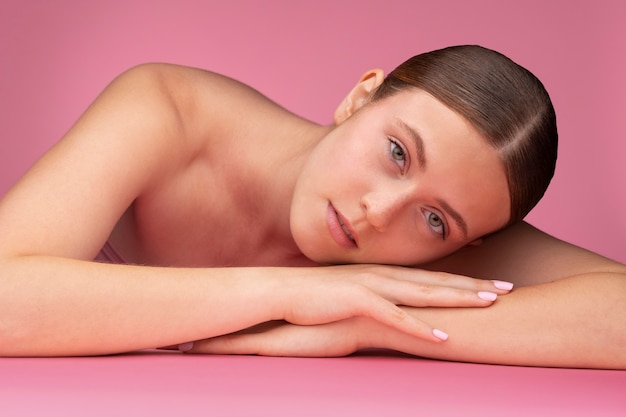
<point>166,163</point>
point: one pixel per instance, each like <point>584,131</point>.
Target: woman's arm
<point>568,323</point>
<point>569,308</point>
<point>53,306</point>
<point>526,256</point>
<point>570,311</point>
<point>60,213</point>
<point>574,322</point>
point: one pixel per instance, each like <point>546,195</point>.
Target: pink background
<point>55,57</point>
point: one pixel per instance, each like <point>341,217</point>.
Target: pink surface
<point>374,385</point>
<point>56,56</point>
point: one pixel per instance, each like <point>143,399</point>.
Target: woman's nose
<point>382,207</point>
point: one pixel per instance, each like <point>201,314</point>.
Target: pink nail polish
<point>440,335</point>
<point>502,285</point>
<point>486,295</point>
<point>184,347</point>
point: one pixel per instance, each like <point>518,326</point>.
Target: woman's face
<point>403,181</point>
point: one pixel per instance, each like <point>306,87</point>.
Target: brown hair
<point>505,102</point>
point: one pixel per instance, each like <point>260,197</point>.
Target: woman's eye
<point>435,222</point>
<point>397,152</point>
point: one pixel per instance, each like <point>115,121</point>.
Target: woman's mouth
<point>340,228</point>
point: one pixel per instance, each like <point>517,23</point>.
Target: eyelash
<point>443,232</point>
<point>395,144</point>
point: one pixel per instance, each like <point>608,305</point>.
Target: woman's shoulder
<point>196,89</point>
<point>209,105</point>
<point>217,128</point>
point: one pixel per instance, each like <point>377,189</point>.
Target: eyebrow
<point>458,219</point>
<point>417,139</point>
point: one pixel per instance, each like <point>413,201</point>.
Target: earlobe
<point>359,95</point>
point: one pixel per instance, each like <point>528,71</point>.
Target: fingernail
<point>184,347</point>
<point>486,295</point>
<point>502,285</point>
<point>440,335</point>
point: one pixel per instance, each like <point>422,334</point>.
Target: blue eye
<point>435,222</point>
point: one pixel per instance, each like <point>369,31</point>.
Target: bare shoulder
<point>196,90</point>
<point>525,255</point>
<point>212,107</point>
<point>143,129</point>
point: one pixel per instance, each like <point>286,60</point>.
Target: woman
<point>216,209</point>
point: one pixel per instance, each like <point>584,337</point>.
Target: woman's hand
<point>315,311</point>
<point>534,326</point>
<point>375,291</point>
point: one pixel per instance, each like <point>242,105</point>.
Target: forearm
<point>574,322</point>
<point>54,306</point>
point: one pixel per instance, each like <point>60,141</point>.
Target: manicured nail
<point>184,347</point>
<point>502,285</point>
<point>440,335</point>
<point>486,295</point>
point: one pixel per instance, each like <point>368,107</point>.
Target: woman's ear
<point>359,95</point>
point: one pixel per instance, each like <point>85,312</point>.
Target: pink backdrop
<point>55,56</point>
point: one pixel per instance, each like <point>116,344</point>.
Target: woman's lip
<point>336,223</point>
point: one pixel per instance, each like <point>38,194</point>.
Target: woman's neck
<point>280,170</point>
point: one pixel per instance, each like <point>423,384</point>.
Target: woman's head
<point>453,145</point>
<point>506,103</point>
<point>404,181</point>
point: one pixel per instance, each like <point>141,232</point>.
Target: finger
<point>464,282</point>
<point>421,295</point>
<point>391,315</point>
<point>444,279</point>
<point>360,301</point>
<point>430,289</point>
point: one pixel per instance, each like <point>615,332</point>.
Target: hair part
<point>505,102</point>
